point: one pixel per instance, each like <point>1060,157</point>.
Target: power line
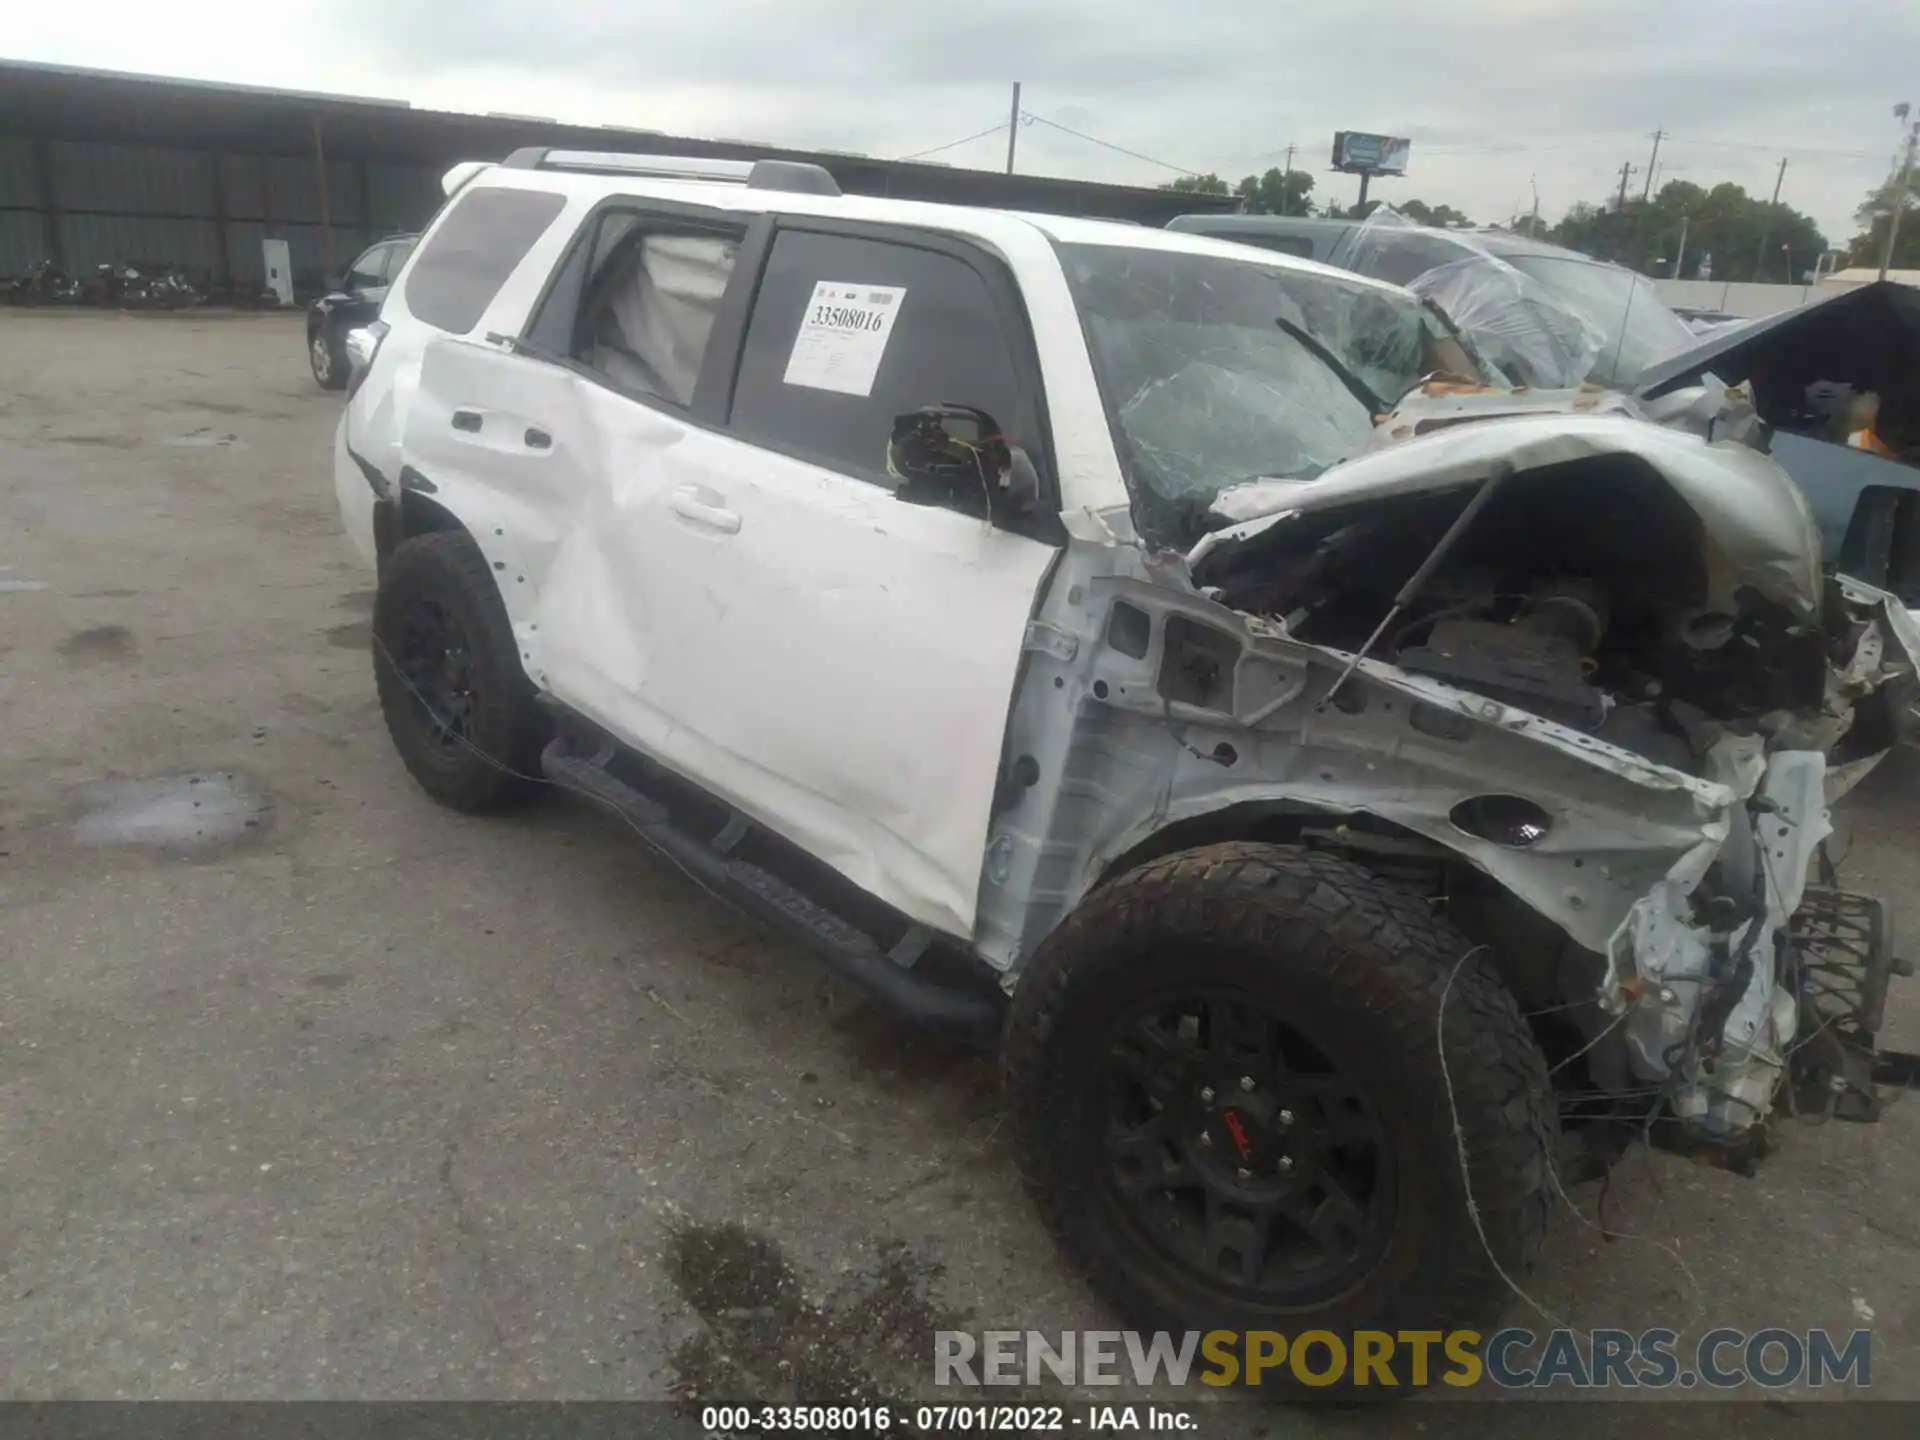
<point>1774,149</point>
<point>1667,137</point>
<point>1514,149</point>
<point>955,144</point>
<point>1105,144</point>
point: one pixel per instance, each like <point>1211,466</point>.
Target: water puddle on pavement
<point>763,1336</point>
<point>169,812</point>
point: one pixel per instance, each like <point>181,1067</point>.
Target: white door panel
<point>601,608</point>
<point>840,662</point>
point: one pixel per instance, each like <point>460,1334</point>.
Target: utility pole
<point>1013,126</point>
<point>1626,169</point>
<point>1533,223</point>
<point>1286,181</point>
<point>1766,223</point>
<point>1681,254</point>
<point>1652,164</point>
<point>1899,191</point>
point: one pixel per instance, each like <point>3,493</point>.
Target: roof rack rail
<point>797,176</point>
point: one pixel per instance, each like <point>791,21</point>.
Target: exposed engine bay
<point>1585,594</point>
<point>1663,598</point>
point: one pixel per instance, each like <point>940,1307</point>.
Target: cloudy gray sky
<point>1495,94</point>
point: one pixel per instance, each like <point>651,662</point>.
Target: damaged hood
<point>1752,513</point>
<point>1869,336</point>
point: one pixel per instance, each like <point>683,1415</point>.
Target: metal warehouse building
<point>99,168</point>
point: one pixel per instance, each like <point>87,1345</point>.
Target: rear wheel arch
<point>398,520</point>
<point>423,508</point>
<point>421,514</point>
<point>463,717</point>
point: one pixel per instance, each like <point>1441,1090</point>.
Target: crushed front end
<point>1654,606</point>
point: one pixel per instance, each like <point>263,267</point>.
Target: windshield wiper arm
<point>1358,387</point>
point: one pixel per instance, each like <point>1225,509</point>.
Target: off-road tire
<point>1363,965</point>
<point>499,763</point>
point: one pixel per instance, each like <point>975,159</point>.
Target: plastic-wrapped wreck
<point>1823,377</point>
<point>1598,660</point>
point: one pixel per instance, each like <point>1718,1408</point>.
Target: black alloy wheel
<point>1242,1152</point>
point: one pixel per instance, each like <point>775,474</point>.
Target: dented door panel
<point>836,663</point>
<point>499,440</point>
<point>840,663</point>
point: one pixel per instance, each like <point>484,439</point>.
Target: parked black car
<point>354,301</point>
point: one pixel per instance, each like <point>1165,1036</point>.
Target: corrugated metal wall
<point>152,206</point>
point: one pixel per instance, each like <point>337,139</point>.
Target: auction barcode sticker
<point>843,335</point>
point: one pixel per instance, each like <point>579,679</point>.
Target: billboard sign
<point>1361,154</point>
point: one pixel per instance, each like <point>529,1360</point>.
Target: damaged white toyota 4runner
<point>1358,803</point>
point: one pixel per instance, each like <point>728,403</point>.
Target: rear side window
<point>849,332</point>
<point>468,258</point>
<point>635,303</point>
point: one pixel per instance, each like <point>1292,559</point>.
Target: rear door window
<point>634,304</point>
<point>472,252</point>
<point>924,330</point>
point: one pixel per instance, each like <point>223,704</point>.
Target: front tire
<point>1230,1107</point>
<point>457,704</point>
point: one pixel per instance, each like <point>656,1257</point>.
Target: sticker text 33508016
<point>841,317</point>
<point>843,336</point>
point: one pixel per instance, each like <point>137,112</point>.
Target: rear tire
<point>1230,1107</point>
<point>326,359</point>
<point>460,709</point>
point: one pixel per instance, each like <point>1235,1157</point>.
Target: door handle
<point>468,420</point>
<point>687,502</point>
<point>538,439</point>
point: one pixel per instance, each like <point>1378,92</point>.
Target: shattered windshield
<point>1220,371</point>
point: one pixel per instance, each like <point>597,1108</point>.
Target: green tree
<point>1278,192</point>
<point>1421,213</point>
<point>1197,185</point>
<point>1724,222</point>
<point>1875,214</point>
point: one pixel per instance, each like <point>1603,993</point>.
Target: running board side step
<point>767,898</point>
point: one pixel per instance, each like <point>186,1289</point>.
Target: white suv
<point>1126,644</point>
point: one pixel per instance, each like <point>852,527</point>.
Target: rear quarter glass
<point>466,260</point>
